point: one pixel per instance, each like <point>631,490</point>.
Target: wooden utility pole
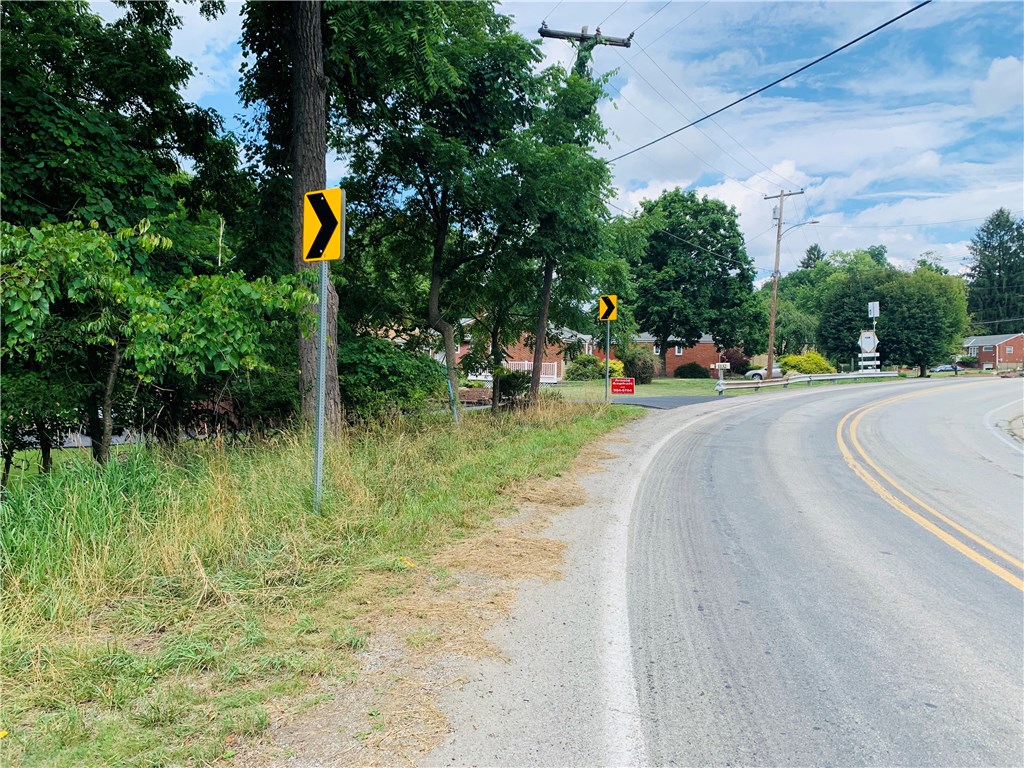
<point>781,197</point>
<point>585,44</point>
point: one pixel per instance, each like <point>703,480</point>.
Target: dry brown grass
<point>423,621</point>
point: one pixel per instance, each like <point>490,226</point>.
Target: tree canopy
<point>995,297</point>
<point>695,276</point>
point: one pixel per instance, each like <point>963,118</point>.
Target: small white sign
<point>721,366</point>
<point>872,309</point>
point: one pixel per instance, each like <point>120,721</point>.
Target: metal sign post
<point>607,358</point>
<point>321,381</point>
<point>607,310</point>
<point>323,240</point>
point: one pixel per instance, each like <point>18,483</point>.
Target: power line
<point>674,25</point>
<point>892,226</point>
<point>666,5</point>
<point>774,82</point>
<point>720,127</point>
<point>705,135</point>
<point>699,159</point>
<point>612,13</point>
<point>727,259</point>
<point>552,10</point>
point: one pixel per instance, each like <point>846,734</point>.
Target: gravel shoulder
<point>511,647</point>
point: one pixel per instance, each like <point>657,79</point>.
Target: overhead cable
<point>772,84</point>
<point>666,5</point>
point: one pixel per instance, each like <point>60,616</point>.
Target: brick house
<point>705,352</point>
<point>996,352</point>
<point>520,356</point>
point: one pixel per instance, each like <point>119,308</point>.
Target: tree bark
<point>542,329</point>
<point>103,455</point>
<point>438,323</point>
<point>309,173</point>
<point>495,365</point>
<point>8,462</point>
<point>45,447</point>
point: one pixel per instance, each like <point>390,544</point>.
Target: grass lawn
<point>587,391</point>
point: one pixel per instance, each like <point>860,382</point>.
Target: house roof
<point>646,338</point>
<point>984,341</point>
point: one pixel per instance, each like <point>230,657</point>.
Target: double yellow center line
<point>987,555</point>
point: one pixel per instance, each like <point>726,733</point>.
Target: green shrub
<point>968,362</point>
<point>591,367</point>
<point>377,376</point>
<point>691,371</point>
<point>639,363</point>
<point>812,362</point>
<point>512,385</point>
<point>585,368</point>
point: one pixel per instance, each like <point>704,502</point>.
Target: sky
<point>909,139</point>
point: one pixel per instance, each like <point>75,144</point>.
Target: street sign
<point>872,309</point>
<point>868,341</point>
<point>608,307</point>
<point>721,366</point>
<point>621,386</point>
<point>323,225</point>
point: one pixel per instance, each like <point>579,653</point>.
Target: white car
<point>757,374</point>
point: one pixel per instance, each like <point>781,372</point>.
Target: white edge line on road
<point>990,423</point>
<point>623,721</point>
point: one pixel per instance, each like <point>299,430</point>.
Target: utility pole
<point>586,43</point>
<point>781,197</point>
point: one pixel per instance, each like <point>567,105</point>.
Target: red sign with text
<point>622,387</point>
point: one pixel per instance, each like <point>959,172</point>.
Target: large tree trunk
<point>309,173</point>
<point>542,329</point>
<point>438,323</point>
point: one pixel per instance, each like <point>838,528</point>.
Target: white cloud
<point>1002,90</point>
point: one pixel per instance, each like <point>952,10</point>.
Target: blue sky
<point>909,139</point>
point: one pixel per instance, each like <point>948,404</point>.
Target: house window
<point>1009,350</point>
<point>987,348</point>
<point>679,351</point>
<point>972,351</point>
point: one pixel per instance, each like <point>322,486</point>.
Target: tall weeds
<point>200,547</point>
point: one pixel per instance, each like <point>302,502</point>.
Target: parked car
<point>946,368</point>
<point>757,374</point>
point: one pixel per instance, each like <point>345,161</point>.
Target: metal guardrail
<point>723,386</point>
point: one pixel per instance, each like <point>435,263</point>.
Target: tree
<point>94,124</point>
<point>695,276</point>
<point>76,296</point>
<point>995,294</point>
<point>425,145</point>
<point>813,255</point>
<point>924,320</point>
<point>844,312</point>
<point>928,260</point>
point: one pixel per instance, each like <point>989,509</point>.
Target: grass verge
<point>153,607</point>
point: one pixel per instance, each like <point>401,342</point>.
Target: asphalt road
<point>829,576</point>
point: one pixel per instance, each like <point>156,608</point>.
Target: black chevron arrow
<point>607,307</point>
<point>328,224</point>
